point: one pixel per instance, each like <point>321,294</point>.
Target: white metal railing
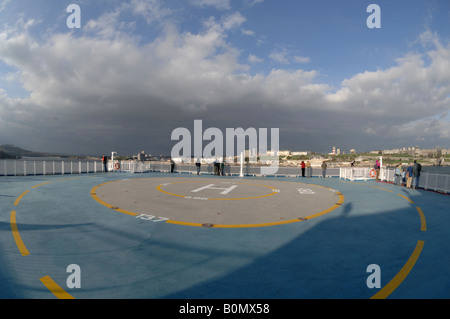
<point>435,182</point>
<point>48,167</point>
<point>57,167</point>
<point>129,166</point>
<point>234,170</point>
<point>428,181</point>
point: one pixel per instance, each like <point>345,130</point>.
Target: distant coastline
<point>9,151</point>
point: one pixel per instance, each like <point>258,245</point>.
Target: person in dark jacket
<point>409,173</point>
<point>105,162</point>
<point>198,164</point>
<point>416,174</point>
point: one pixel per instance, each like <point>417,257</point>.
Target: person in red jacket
<point>105,162</point>
<point>303,165</point>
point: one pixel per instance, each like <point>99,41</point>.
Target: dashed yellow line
<point>423,222</point>
<point>385,189</point>
<point>17,201</point>
<point>406,269</point>
<point>409,200</point>
<point>15,231</point>
<point>402,274</point>
<point>55,288</point>
<point>117,209</point>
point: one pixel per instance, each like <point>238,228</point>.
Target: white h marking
<point>210,186</point>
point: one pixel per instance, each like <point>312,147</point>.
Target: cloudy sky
<point>138,69</point>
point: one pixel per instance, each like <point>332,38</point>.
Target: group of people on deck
<point>408,176</point>
<point>306,167</point>
<point>404,176</point>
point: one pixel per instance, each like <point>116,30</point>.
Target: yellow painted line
<point>41,184</point>
<point>94,196</point>
<point>423,222</point>
<point>339,203</point>
<point>55,288</point>
<point>20,198</point>
<point>163,191</point>
<point>68,179</point>
<point>401,275</point>
<point>234,226</point>
<point>387,190</point>
<point>341,200</point>
<point>15,231</point>
<point>406,198</point>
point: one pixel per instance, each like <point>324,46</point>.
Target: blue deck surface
<point>121,256</point>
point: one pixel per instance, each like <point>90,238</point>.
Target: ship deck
<point>182,236</point>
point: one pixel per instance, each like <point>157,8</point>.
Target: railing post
<point>446,185</point>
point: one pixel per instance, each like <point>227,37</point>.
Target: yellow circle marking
<point>174,222</point>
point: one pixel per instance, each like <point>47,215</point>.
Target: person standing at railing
<point>409,174</point>
<point>105,162</point>
<point>398,174</point>
<point>198,164</point>
<point>308,169</point>
<point>403,177</point>
<point>303,165</point>
<point>416,174</point>
<point>324,169</point>
<point>377,169</point>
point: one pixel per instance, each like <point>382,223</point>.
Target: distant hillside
<point>12,151</point>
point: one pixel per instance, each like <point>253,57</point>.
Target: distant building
<point>300,153</point>
<point>141,156</point>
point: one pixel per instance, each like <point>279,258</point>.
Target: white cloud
<point>3,4</point>
<point>218,4</point>
<point>248,32</point>
<point>233,21</point>
<point>151,10</point>
<point>301,59</point>
<point>103,88</point>
<point>280,57</point>
<point>254,59</point>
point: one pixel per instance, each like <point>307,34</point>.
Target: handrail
<point>430,181</point>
